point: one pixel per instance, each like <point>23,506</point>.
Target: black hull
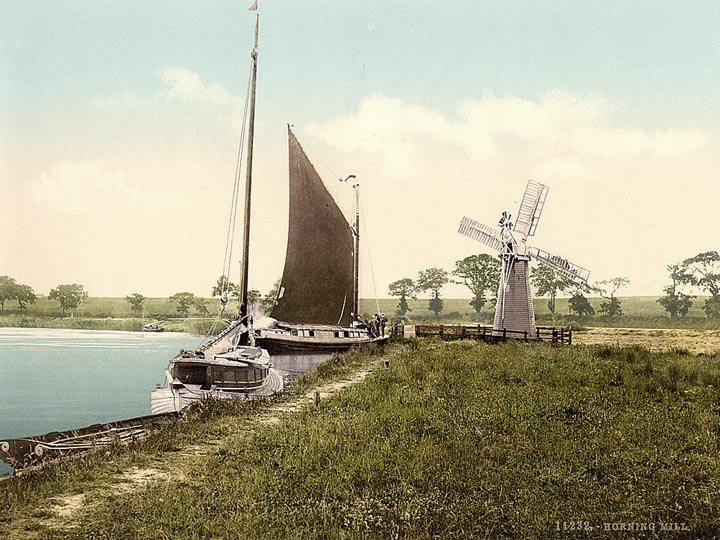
<point>34,451</point>
<point>284,344</point>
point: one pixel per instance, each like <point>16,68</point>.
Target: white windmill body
<point>514,311</point>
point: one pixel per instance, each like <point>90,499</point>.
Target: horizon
<point>121,122</point>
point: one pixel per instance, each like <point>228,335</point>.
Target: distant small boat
<point>317,303</point>
<point>152,327</point>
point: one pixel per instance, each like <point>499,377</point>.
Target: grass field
<point>115,314</point>
<point>455,440</point>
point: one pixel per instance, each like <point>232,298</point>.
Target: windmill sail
<point>317,282</point>
<point>558,263</point>
<point>530,209</point>
<point>489,236</point>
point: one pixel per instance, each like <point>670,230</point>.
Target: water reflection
<point>292,364</point>
<point>54,380</point>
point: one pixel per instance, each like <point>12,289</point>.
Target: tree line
<point>481,275</point>
<point>68,296</point>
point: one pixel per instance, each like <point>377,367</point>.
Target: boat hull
<point>277,343</point>
<point>176,397</point>
<point>34,451</point>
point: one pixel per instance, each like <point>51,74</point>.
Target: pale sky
<point>119,122</point>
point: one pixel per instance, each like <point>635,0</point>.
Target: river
<point>54,380</point>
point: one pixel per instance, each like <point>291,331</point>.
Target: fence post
<point>525,335</point>
<point>562,334</point>
<point>504,333</point>
<point>537,333</point>
<point>570,336</point>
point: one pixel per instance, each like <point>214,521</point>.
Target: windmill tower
<point>514,309</point>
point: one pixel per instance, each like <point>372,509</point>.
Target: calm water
<point>54,380</point>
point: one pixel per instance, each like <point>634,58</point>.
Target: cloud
<point>558,126</point>
<point>181,94</point>
<point>184,85</point>
<point>620,195</point>
<point>89,187</point>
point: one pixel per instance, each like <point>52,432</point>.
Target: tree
<point>607,290</point>
<point>184,301</point>
<point>548,282</point>
<point>675,302</point>
<point>433,280</point>
<point>232,288</point>
<point>200,305</point>
<point>254,298</point>
<point>580,305</point>
<point>24,295</point>
<point>712,307</point>
<point>8,290</point>
<point>137,303</point>
<point>404,289</point>
<point>69,296</point>
<point>703,271</point>
<point>480,274</point>
<point>268,301</point>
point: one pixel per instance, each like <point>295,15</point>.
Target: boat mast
<point>248,182</point>
<point>356,269</point>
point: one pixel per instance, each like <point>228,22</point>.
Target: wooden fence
<point>553,334</point>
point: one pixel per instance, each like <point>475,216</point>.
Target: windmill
<point>514,309</point>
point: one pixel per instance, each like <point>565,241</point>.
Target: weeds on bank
<point>211,420</point>
<point>454,440</point>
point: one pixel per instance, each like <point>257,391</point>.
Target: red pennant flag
<point>254,6</point>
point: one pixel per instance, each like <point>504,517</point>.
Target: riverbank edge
<point>50,502</point>
<point>195,326</point>
<point>34,502</point>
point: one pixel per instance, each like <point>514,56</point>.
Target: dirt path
<point>61,512</point>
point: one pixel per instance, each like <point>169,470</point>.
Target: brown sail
<point>317,282</point>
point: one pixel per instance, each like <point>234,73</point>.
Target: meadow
<point>101,313</point>
<point>453,440</point>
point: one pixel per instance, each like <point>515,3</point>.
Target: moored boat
<point>152,327</point>
<point>229,365</point>
<point>306,337</point>
<point>317,302</point>
<point>241,372</point>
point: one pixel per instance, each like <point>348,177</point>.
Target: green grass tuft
<point>454,440</point>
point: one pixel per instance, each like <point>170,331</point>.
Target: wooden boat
<point>230,365</point>
<point>36,450</point>
<point>152,327</point>
<point>221,369</point>
<point>317,302</point>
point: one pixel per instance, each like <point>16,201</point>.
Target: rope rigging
<point>230,236</point>
<point>367,248</point>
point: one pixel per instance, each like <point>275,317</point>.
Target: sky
<point>120,121</point>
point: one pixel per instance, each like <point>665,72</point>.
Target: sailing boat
<point>230,365</point>
<point>317,302</point>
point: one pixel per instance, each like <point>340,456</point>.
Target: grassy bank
<point>100,313</point>
<point>455,440</point>
<point>194,325</point>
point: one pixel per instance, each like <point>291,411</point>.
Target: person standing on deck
<point>373,326</point>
